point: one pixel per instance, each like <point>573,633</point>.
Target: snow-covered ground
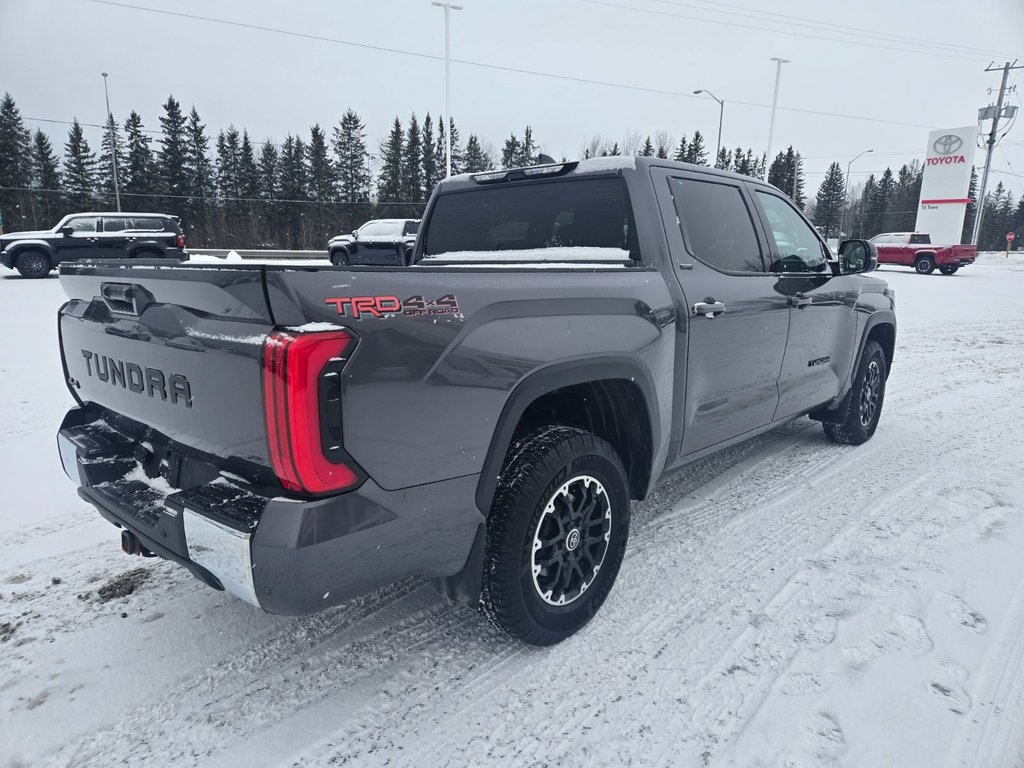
<point>785,603</point>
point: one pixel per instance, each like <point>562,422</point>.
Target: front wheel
<point>34,264</point>
<point>339,258</point>
<point>924,265</point>
<point>556,534</point>
<point>864,405</point>
<point>949,269</point>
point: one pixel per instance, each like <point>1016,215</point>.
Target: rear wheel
<point>924,265</point>
<point>34,264</point>
<point>864,406</point>
<point>949,269</point>
<point>556,534</point>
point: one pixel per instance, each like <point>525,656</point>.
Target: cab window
<point>717,224</point>
<point>114,225</point>
<point>797,245</point>
<point>82,224</point>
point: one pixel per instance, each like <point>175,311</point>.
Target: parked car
<point>565,335</point>
<point>93,236</point>
<point>381,242</point>
<point>915,249</point>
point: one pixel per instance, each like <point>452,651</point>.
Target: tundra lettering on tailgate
<point>136,378</point>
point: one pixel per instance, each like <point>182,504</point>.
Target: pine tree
<point>111,156</point>
<point>79,170</point>
<point>527,149</point>
<point>412,163</point>
<point>972,208</point>
<point>511,151</point>
<point>294,180</point>
<point>476,160</point>
<point>15,167</point>
<point>268,191</point>
<point>249,186</point>
<point>828,206</point>
<point>48,205</point>
<point>321,169</point>
<point>879,204</point>
<point>648,150</point>
<point>724,160</point>
<point>172,158</point>
<point>199,206</point>
<point>681,150</point>
<point>353,171</point>
<point>696,152</point>
<point>786,173</point>
<point>140,180</point>
<point>431,171</point>
<point>615,151</point>
<point>389,184</point>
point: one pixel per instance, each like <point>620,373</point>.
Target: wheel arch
<point>613,397</point>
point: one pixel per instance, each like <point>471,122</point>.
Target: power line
<point>803,21</point>
<point>498,67</point>
<point>775,31</point>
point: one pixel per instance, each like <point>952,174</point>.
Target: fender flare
<point>549,379</point>
<point>33,245</point>
<point>339,249</point>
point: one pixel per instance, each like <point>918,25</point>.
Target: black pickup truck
<point>482,417</point>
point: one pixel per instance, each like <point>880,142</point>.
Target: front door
<point>736,323</point>
<point>82,243</point>
<point>822,326</point>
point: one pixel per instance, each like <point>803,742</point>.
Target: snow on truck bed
<point>785,602</point>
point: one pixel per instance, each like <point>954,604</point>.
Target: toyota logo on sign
<point>948,144</point>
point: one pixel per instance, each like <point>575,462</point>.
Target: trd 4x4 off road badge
<point>380,306</point>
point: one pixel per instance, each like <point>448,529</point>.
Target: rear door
<point>823,321</point>
<point>738,320</point>
<point>113,236</point>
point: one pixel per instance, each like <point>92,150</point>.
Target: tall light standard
<point>113,146</point>
<point>448,7</point>
<point>775,102</point>
<point>721,111</point>
<point>846,192</point>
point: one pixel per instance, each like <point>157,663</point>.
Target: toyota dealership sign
<point>947,179</point>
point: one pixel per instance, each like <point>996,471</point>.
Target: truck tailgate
<point>175,348</point>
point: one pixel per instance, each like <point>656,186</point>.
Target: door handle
<point>800,301</point>
<point>709,308</point>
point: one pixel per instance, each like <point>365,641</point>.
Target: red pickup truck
<point>915,249</point>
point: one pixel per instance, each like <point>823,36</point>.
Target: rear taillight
<point>180,242</point>
<point>302,404</point>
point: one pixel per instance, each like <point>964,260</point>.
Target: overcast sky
<point>849,58</point>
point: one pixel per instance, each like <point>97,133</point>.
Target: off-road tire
<point>924,265</point>
<point>536,470</point>
<point>34,264</point>
<point>949,269</point>
<point>339,258</point>
<point>868,394</point>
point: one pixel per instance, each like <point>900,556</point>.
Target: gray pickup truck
<point>482,417</point>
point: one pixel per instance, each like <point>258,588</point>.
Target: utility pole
<point>775,102</point>
<point>113,146</point>
<point>846,194</point>
<point>721,113</point>
<point>448,7</point>
<point>979,204</point>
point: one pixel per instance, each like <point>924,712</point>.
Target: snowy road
<point>785,603</point>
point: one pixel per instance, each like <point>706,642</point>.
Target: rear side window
<point>563,220</point>
<point>114,225</point>
<point>717,222</point>
<point>151,225</point>
<point>920,240</point>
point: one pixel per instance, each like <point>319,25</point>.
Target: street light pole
<point>775,102</point>
<point>846,192</point>
<point>113,146</point>
<point>721,112</point>
<point>448,7</point>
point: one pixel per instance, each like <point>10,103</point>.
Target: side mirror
<point>66,231</point>
<point>355,233</point>
<point>857,257</point>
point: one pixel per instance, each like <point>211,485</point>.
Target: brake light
<point>302,406</point>
<point>180,242</point>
